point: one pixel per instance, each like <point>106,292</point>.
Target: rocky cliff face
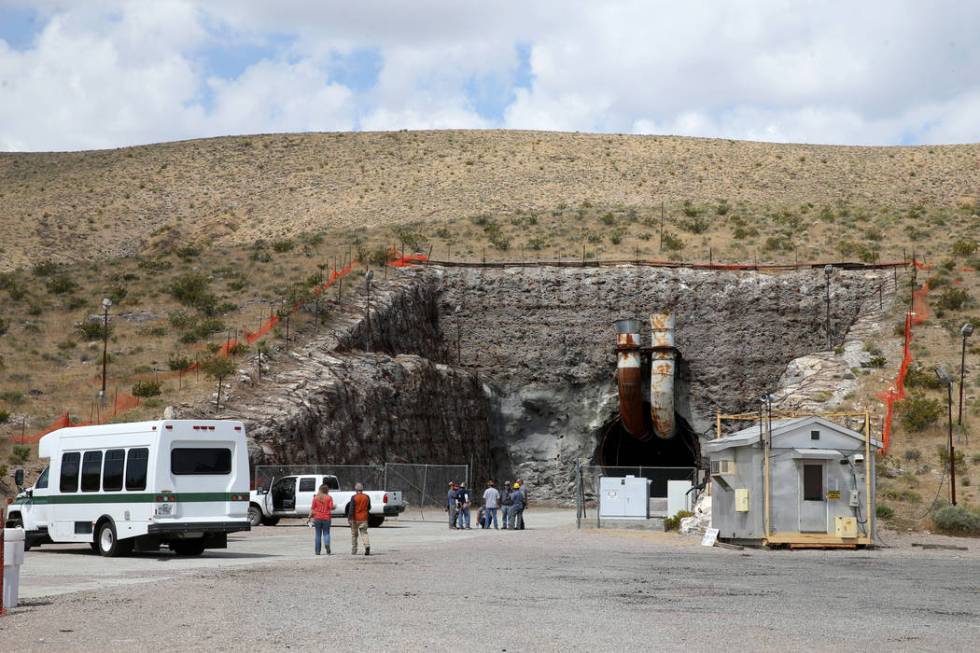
<point>513,369</point>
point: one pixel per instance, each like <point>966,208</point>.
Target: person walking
<point>505,502</point>
<point>517,505</point>
<point>491,499</point>
<point>463,498</point>
<point>451,505</point>
<point>357,511</point>
<point>321,512</point>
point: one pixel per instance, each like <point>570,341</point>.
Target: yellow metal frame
<point>806,539</point>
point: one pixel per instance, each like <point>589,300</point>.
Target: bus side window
<point>91,471</point>
<point>112,470</point>
<point>69,471</point>
<point>136,462</point>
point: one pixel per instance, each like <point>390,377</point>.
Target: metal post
<point>966,330</point>
<point>106,305</point>
<point>3,611</point>
<point>661,225</point>
<point>952,451</point>
<point>425,484</point>
<point>828,270</point>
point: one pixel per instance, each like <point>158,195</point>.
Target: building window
<point>813,482</point>
<point>814,435</point>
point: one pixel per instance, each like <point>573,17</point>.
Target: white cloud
<point>107,73</point>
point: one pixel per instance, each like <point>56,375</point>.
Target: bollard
<point>2,547</point>
<point>11,558</point>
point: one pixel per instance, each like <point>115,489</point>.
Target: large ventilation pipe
<point>662,375</point>
<point>629,377</point>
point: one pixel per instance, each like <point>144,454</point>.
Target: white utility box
<point>677,497</point>
<point>624,497</point>
<point>13,558</point>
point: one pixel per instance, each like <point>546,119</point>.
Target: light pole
<point>367,280</point>
<point>459,351</point>
<point>828,271</point>
<point>966,330</point>
<point>106,305</point>
<point>948,380</point>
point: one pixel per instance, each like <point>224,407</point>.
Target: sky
<point>92,74</point>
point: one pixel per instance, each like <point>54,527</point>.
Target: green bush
<point>912,455</point>
<point>282,246</point>
<point>193,290</point>
<point>742,232</point>
<point>919,413</point>
<point>884,512</point>
<point>19,454</point>
<point>144,389</point>
<point>673,523</point>
<point>953,299</point>
<point>690,210</point>
<point>958,520</point>
<point>3,326</point>
<point>696,225</point>
<point>964,248</point>
<point>92,330</point>
<point>916,377</point>
<point>722,208</point>
<point>45,269</point>
<point>12,397</point>
<point>672,243</point>
<point>61,284</point>
<point>4,416</point>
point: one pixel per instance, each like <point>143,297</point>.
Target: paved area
<point>549,588</point>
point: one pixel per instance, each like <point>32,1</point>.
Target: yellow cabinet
<point>846,526</point>
<point>742,500</point>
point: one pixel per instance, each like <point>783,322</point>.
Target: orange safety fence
<point>918,315</point>
<point>121,403</point>
<point>407,260</point>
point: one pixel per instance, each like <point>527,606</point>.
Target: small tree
<point>180,365</point>
<point>145,389</point>
<point>19,454</point>
<point>219,368</point>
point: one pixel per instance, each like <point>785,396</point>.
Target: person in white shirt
<point>491,500</point>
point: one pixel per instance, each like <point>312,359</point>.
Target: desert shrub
<point>690,210</point>
<point>722,208</point>
<point>960,459</point>
<point>912,455</point>
<point>238,349</point>
<point>953,299</point>
<point>777,243</point>
<point>500,241</point>
<point>192,289</point>
<point>179,363</point>
<point>909,496</point>
<point>742,232</point>
<point>19,454</point>
<point>919,413</point>
<point>827,214</point>
<point>608,219</point>
<point>187,252</point>
<point>117,293</point>
<point>12,397</point>
<point>535,244</point>
<point>876,362</point>
<point>4,416</point>
<point>282,246</point>
<point>916,377</point>
<point>91,330</point>
<point>964,248</point>
<point>260,255</point>
<point>3,326</point>
<point>180,319</point>
<point>61,284</point>
<point>144,389</point>
<point>45,269</point>
<point>696,225</point>
<point>672,243</point>
<point>673,523</point>
<point>884,512</point>
<point>957,519</point>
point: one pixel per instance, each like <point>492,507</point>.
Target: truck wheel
<point>270,521</point>
<point>254,515</point>
<point>16,522</point>
<point>108,544</point>
<point>375,520</point>
<point>188,547</point>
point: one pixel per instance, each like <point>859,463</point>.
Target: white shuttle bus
<point>116,487</point>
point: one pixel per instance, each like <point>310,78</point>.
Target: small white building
<point>804,481</point>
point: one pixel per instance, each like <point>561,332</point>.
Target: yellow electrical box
<point>846,526</point>
<point>742,500</point>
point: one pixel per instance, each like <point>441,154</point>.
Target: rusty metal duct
<point>629,377</point>
<point>662,375</point>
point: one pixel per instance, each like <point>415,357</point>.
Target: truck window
<point>136,461</point>
<point>69,471</point>
<point>112,470</point>
<point>91,471</point>
<point>200,461</point>
<point>42,480</point>
<point>331,482</point>
<point>307,484</point>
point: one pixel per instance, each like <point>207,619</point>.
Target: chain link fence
<point>587,486</point>
<point>422,486</point>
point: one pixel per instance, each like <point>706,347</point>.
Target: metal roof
<point>750,435</point>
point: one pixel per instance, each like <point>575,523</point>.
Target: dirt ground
<point>549,588</point>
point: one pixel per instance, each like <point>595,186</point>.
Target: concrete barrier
<point>13,558</point>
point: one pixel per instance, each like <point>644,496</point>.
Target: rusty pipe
<point>629,378</point>
<point>662,375</point>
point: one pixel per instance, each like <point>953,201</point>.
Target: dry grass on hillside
<point>86,205</point>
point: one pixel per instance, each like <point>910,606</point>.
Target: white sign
<point>710,536</point>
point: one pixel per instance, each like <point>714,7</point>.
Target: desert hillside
<point>234,190</point>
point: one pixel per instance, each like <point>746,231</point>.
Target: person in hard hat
<point>451,504</point>
<point>463,500</point>
<point>516,506</point>
<point>357,511</point>
<point>505,502</point>
<point>520,516</point>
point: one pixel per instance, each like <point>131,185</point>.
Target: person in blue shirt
<point>463,501</point>
<point>451,504</point>
<point>517,503</point>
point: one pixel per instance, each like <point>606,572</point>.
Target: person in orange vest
<point>357,511</point>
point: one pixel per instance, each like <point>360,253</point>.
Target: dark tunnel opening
<point>615,447</point>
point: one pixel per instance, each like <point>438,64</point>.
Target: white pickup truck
<point>292,496</point>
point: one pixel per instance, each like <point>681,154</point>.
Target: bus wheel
<point>108,544</point>
<point>188,547</point>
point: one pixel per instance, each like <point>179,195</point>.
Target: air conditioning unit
<point>722,467</point>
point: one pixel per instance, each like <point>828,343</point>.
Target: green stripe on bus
<point>183,497</point>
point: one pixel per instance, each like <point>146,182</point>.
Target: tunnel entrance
<point>615,447</point>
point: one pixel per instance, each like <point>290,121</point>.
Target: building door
<point>813,498</point>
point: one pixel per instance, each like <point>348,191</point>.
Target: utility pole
<point>828,271</point>
<point>106,305</point>
<point>661,225</point>
<point>367,281</point>
<point>948,380</point>
<point>966,330</point>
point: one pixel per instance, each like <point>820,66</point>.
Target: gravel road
<point>549,588</point>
